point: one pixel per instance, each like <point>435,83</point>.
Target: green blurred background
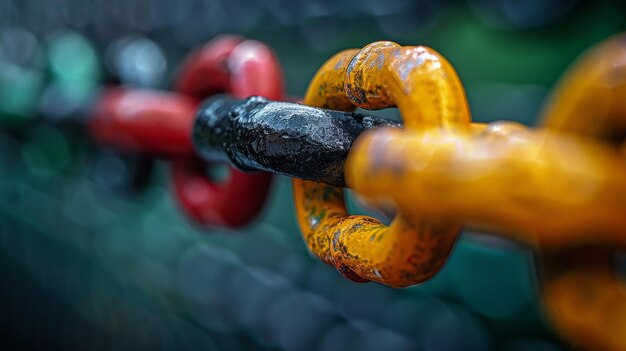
<point>94,253</point>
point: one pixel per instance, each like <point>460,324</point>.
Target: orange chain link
<point>560,189</point>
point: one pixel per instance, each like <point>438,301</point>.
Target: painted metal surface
<point>149,122</point>
<point>280,137</point>
<point>159,124</point>
<point>583,291</point>
<point>428,94</point>
<point>560,189</point>
<point>242,68</point>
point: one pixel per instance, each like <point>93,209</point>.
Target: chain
<point>159,124</point>
<point>559,188</point>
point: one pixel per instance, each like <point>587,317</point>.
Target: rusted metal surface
<point>429,94</point>
<point>560,189</point>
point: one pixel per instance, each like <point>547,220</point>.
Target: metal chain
<point>559,188</point>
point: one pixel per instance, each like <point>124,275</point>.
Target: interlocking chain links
<point>429,95</point>
<point>583,294</point>
<point>561,189</point>
<point>159,124</point>
<point>285,138</point>
<point>540,188</point>
<point>243,68</point>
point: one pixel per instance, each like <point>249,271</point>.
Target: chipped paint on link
<point>429,94</point>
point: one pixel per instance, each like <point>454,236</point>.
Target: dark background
<point>90,262</point>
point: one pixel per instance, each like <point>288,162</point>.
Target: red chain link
<point>159,124</point>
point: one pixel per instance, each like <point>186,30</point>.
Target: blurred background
<point>95,255</point>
